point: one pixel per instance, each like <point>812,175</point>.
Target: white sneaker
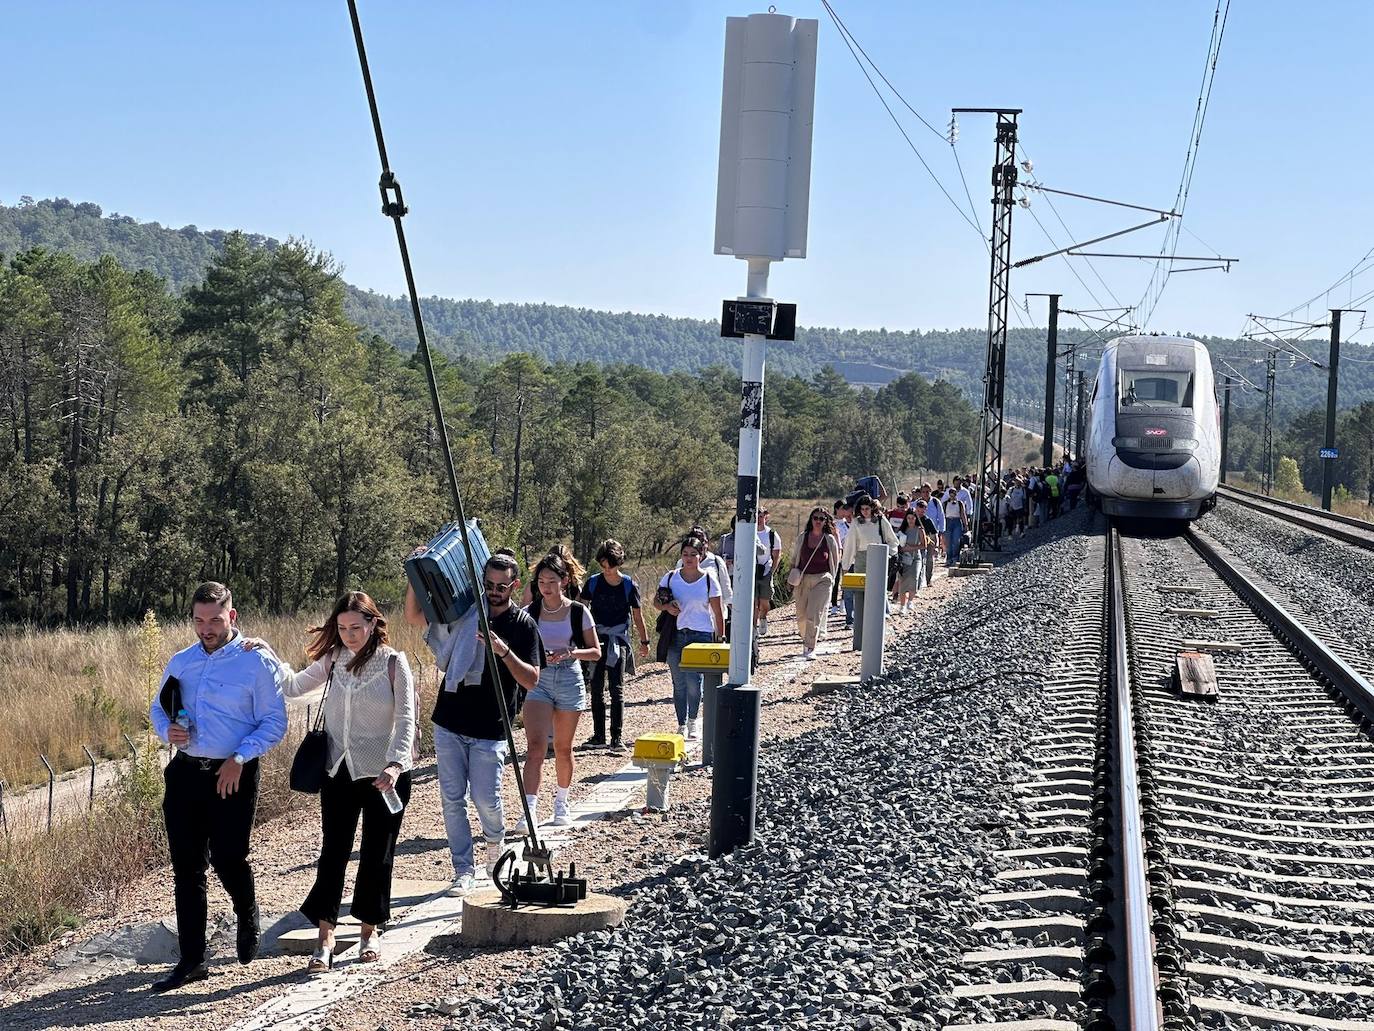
<point>522,826</point>
<point>682,731</point>
<point>694,730</point>
<point>562,814</point>
<point>761,628</point>
<point>462,884</point>
<point>808,653</point>
<point>837,610</point>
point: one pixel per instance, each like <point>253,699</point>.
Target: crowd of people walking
<point>572,646</point>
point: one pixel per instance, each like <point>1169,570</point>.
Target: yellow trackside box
<point>854,581</point>
<point>710,657</point>
<point>664,747</point>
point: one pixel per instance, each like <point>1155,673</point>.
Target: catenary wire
<point>852,44</point>
<point>1150,299</point>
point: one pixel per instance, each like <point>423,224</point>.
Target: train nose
<point>1181,484</point>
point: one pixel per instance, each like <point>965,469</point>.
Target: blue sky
<point>567,152</point>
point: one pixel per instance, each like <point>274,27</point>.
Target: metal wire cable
<point>852,44</point>
<point>1149,303</point>
<point>1350,276</point>
<point>393,206</point>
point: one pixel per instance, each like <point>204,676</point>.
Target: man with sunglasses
<point>469,735</point>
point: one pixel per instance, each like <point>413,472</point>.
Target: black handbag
<point>666,626</point>
<point>310,767</point>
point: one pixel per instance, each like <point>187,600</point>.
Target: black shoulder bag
<point>310,767</point>
<point>666,626</point>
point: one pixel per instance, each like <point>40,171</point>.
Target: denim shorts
<point>561,686</point>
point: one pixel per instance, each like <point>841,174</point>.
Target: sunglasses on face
<point>496,588</point>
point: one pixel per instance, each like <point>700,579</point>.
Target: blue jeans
<point>954,533</point>
<point>469,766</point>
<point>561,685</point>
<point>686,682</point>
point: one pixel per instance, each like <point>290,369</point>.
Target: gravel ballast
<point>876,835</point>
<point>1325,583</point>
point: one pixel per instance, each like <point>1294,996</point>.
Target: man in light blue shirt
<point>221,708</point>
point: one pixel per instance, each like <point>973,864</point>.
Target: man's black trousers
<point>204,829</point>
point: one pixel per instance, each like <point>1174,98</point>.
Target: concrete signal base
<point>487,922</point>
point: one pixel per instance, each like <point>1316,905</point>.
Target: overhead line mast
<point>985,531</point>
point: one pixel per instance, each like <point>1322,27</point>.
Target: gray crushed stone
<point>876,834</point>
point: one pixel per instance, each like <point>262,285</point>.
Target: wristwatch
<point>238,758</point>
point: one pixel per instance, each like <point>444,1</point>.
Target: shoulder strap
<point>319,716</point>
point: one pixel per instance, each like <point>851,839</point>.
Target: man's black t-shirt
<point>471,709</point>
<point>929,527</point>
<point>611,603</point>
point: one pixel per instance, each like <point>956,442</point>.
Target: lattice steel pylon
<point>1270,364</point>
<point>985,530</point>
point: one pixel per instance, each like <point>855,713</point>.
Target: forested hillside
<point>247,430</point>
<point>487,329</point>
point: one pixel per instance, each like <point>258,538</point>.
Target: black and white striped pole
<point>762,205</point>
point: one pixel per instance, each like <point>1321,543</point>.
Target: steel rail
<point>1303,515</point>
<point>1309,649</point>
<point>1142,977</point>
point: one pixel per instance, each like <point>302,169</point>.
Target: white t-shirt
<point>694,600</point>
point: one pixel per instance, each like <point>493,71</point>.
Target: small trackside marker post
<point>875,610</point>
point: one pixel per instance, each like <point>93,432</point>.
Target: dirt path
<point>620,854</point>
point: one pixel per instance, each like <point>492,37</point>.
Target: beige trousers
<point>813,597</point>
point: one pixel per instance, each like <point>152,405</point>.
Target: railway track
<point>1189,863</point>
<point>1330,524</point>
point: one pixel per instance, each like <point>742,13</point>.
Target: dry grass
<point>1348,506</point>
<point>61,689</point>
<point>46,878</point>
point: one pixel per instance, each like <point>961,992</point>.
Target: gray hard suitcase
<point>439,574</point>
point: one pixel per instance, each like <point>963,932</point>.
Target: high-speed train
<point>1154,436</point>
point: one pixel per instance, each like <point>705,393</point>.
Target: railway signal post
<point>762,206</point>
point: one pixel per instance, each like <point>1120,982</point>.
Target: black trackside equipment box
<point>439,574</point>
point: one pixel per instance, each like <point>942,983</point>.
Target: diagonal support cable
<point>393,206</point>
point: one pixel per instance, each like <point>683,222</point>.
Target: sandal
<point>321,959</point>
<point>369,949</point>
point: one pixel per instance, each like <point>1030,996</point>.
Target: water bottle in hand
<point>183,721</point>
<point>392,800</point>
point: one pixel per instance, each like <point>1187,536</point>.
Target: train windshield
<point>1141,389</point>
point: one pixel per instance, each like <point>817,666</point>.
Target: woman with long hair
<point>577,575</point>
<point>871,526</point>
<point>369,718</point>
<point>569,636</point>
<point>691,595</point>
<point>816,554</point>
<point>911,554</point>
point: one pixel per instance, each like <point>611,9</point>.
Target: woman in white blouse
<point>369,717</point>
